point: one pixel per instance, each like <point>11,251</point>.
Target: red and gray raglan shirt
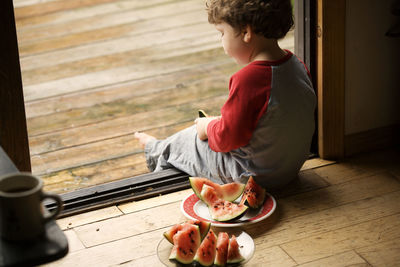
<point>267,122</point>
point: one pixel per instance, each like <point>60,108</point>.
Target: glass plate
<point>246,248</point>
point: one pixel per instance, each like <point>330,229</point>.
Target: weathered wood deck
<point>96,71</point>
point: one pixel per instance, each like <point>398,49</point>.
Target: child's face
<point>234,43</point>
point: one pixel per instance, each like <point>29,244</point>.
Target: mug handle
<point>59,204</point>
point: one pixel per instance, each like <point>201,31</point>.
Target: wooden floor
<point>96,71</point>
<point>337,214</point>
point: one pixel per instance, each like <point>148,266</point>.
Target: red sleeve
<point>249,91</point>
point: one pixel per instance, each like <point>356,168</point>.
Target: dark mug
<point>22,215</point>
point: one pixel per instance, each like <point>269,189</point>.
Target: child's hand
<point>201,126</point>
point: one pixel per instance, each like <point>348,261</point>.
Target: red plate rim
<point>266,210</point>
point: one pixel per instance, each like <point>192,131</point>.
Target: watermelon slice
<point>234,256</point>
<point>186,242</point>
<point>253,195</point>
<point>203,227</point>
<point>221,256</point>
<point>205,254</point>
<point>221,210</point>
<point>228,192</point>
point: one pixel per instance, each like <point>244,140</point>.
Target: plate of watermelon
<point>229,205</point>
<point>194,242</point>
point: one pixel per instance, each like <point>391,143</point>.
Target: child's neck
<point>267,50</point>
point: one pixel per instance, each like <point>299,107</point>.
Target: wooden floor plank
<point>287,229</point>
<point>114,253</point>
<point>130,225</point>
<point>273,256</point>
<point>337,195</point>
<point>348,238</point>
<point>298,228</point>
<point>354,222</point>
<point>155,201</point>
<point>88,217</point>
<point>382,253</point>
<point>74,244</point>
<point>149,261</point>
<point>341,172</point>
<point>348,258</point>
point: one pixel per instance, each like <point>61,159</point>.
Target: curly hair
<point>270,18</point>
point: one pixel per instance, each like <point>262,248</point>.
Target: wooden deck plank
<point>100,170</point>
<point>114,46</point>
<point>100,111</point>
<point>122,93</point>
<point>52,6</point>
<point>105,171</point>
<point>165,8</point>
<point>171,52</point>
<point>93,80</point>
<point>116,32</point>
<point>63,16</point>
<point>57,143</point>
<point>89,65</point>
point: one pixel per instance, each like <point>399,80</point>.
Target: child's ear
<point>247,34</point>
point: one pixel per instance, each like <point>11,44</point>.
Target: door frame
<point>321,32</point>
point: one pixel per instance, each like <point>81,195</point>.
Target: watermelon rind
<point>221,210</point>
<point>234,256</point>
<point>228,192</point>
<point>186,242</point>
<point>205,254</point>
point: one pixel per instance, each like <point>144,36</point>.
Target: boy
<point>266,125</point>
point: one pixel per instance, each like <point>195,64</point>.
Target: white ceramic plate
<point>246,248</point>
<point>195,209</point>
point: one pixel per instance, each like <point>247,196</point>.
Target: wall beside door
<point>372,76</point>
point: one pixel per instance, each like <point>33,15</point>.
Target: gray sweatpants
<point>186,152</point>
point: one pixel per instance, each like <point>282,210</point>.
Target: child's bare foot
<point>143,138</point>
